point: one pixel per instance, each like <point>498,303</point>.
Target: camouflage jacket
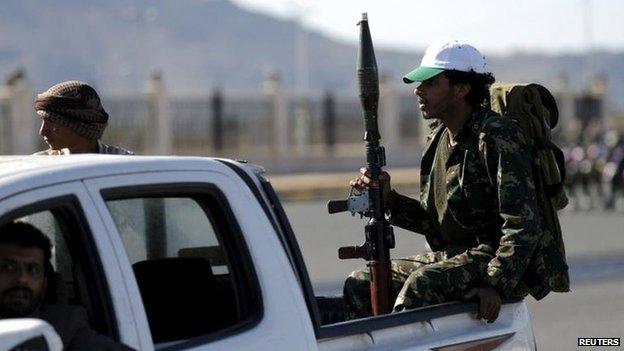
<point>490,192</point>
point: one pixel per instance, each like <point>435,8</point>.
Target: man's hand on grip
<point>364,182</point>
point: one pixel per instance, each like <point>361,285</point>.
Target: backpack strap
<point>477,129</point>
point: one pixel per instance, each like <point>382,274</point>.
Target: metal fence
<point>269,125</point>
<point>247,123</point>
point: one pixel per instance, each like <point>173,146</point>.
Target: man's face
<point>436,97</point>
<point>22,280</point>
<point>58,136</point>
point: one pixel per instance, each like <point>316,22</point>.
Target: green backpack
<point>534,110</point>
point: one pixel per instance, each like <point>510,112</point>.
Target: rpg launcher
<point>378,232</point>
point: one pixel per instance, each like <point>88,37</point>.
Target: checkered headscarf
<point>75,105</point>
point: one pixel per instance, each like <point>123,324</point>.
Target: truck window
<point>187,265</point>
<point>77,277</point>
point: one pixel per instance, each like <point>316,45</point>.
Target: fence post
<point>277,99</point>
<point>329,122</point>
<point>21,115</point>
<point>160,115</point>
<point>217,120</point>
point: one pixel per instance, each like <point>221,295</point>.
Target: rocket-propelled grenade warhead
<point>368,81</point>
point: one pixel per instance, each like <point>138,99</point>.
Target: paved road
<point>595,250</point>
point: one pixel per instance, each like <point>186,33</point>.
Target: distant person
<point>613,172</point>
<point>72,118</point>
<point>24,271</point>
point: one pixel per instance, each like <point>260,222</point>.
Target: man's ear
<point>462,89</point>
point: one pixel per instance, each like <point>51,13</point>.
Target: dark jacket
<point>72,325</point>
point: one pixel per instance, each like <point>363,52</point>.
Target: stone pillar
<point>21,118</point>
<point>389,119</point>
<point>160,141</point>
<point>277,101</point>
<point>302,126</point>
<point>6,142</point>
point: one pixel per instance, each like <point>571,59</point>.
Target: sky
<point>494,26</point>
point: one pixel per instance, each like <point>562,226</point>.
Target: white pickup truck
<point>183,253</point>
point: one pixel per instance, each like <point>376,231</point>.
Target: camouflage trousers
<point>425,279</point>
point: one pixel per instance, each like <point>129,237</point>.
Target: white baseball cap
<point>448,55</point>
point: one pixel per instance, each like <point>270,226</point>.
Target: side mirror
<point>28,334</point>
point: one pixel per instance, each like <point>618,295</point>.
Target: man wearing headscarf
<point>72,118</point>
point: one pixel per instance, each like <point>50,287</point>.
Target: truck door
<point>85,273</point>
<point>203,262</point>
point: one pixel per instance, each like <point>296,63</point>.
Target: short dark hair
<point>25,235</point>
<point>479,95</point>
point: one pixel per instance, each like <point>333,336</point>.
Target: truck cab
<point>190,253</point>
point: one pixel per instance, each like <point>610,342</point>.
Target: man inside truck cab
<point>25,269</point>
